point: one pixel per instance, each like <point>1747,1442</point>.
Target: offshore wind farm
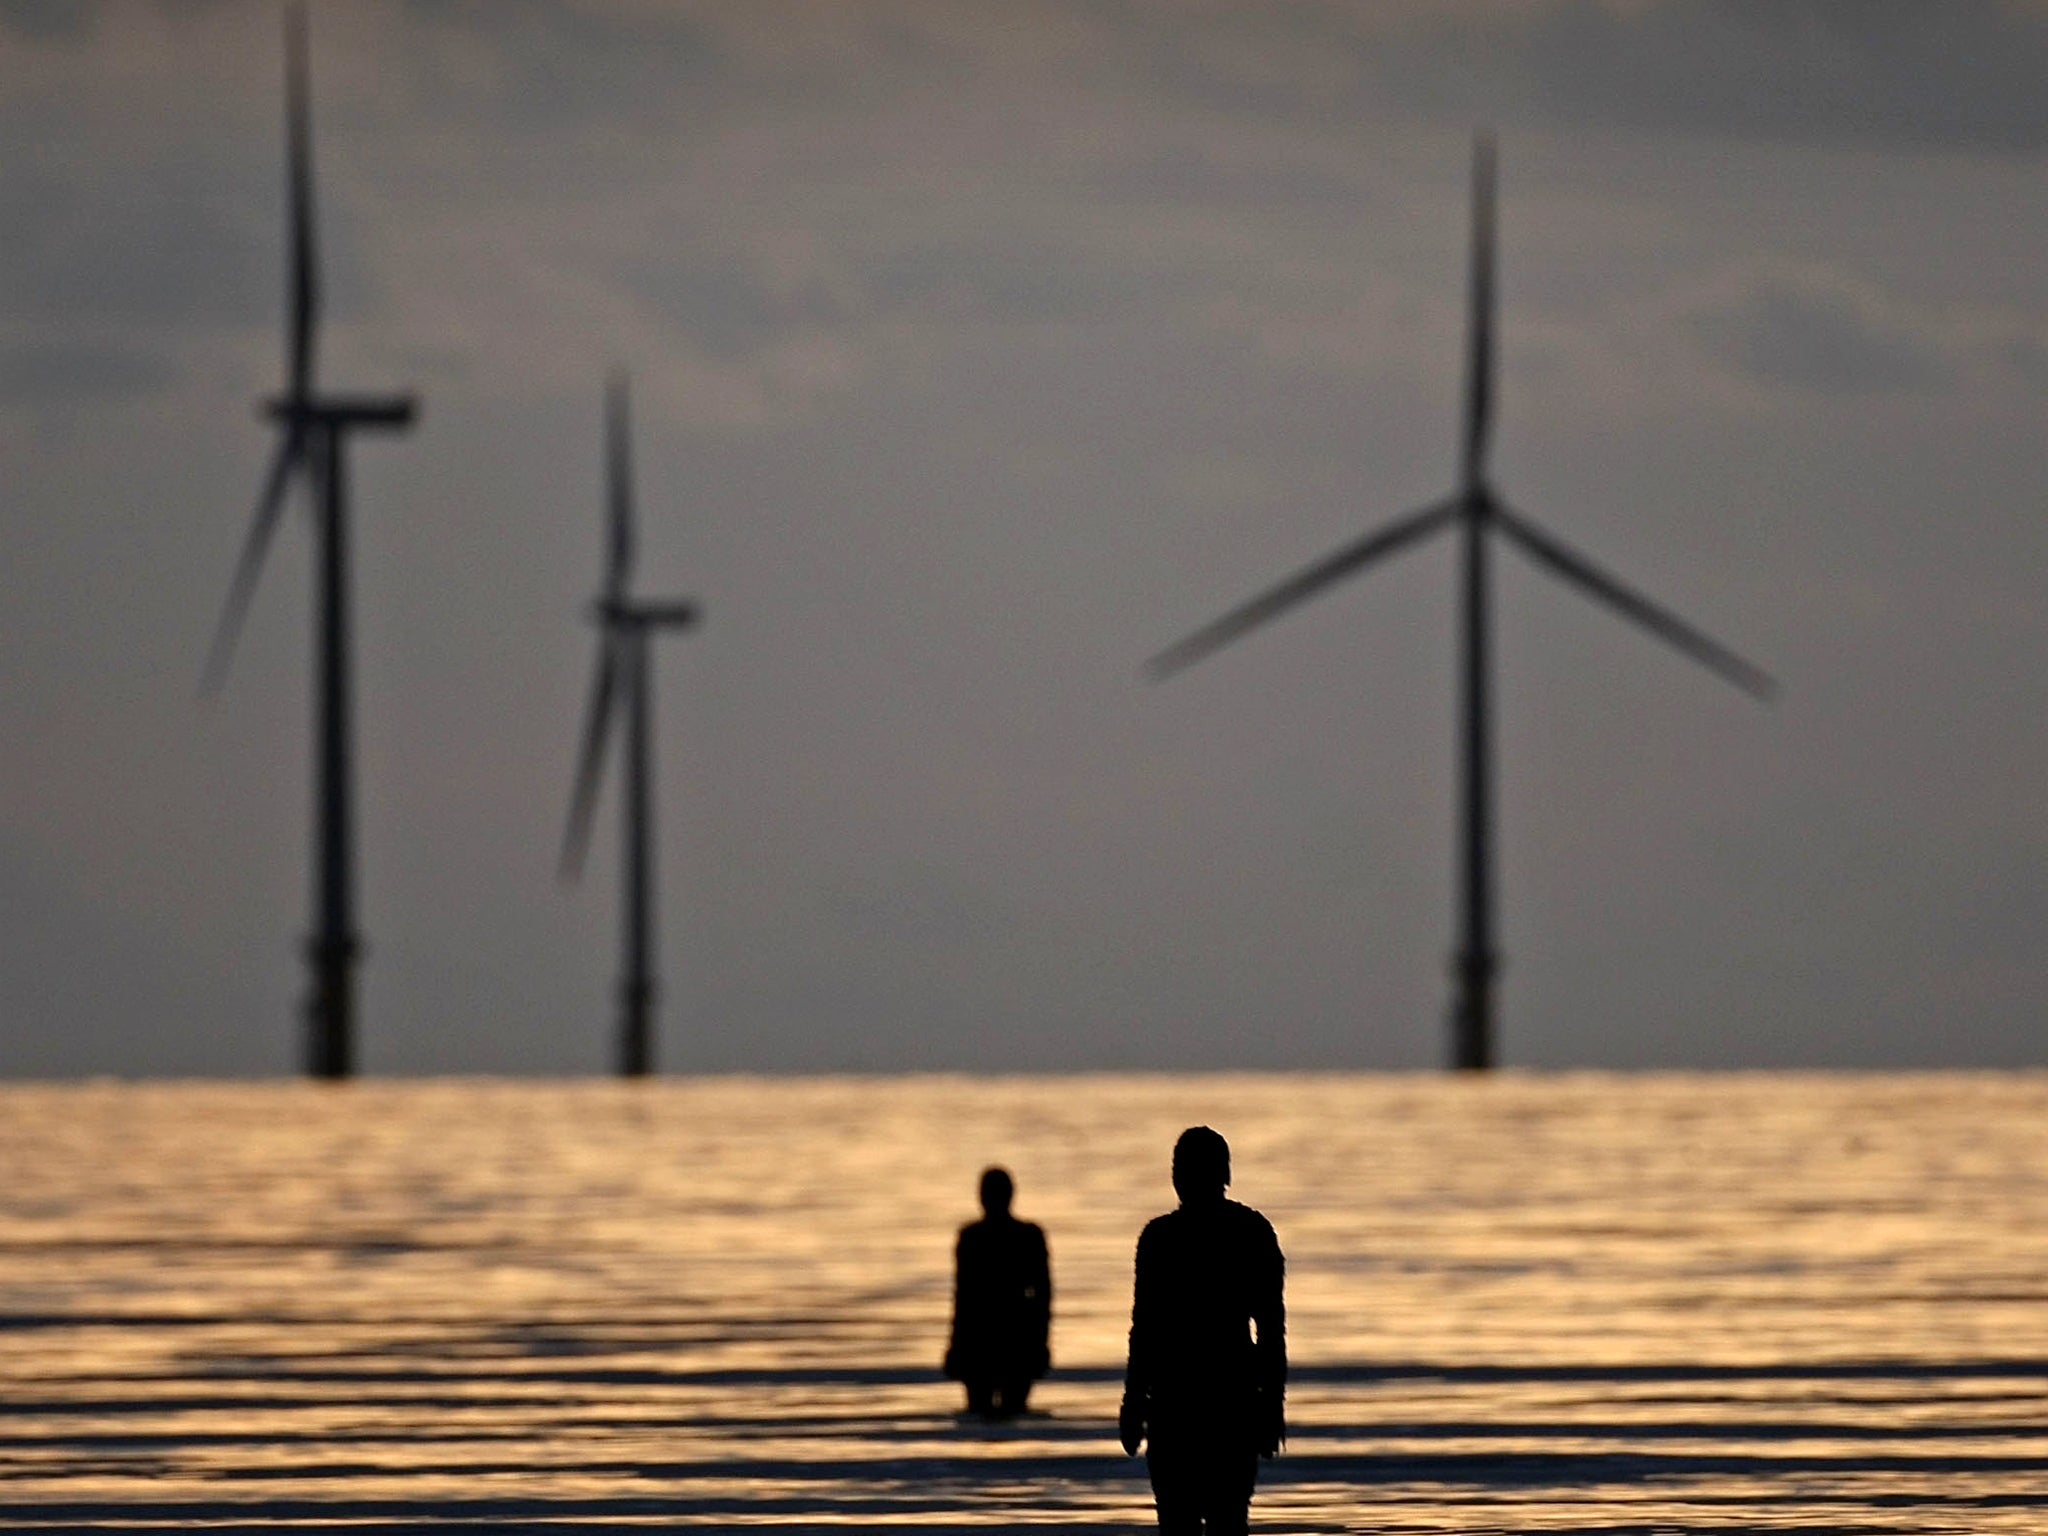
<point>962,396</point>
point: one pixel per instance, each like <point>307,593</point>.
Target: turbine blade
<point>305,277</point>
<point>618,487</point>
<point>1479,364</point>
<point>1580,572</point>
<point>590,762</point>
<point>1300,587</point>
<point>269,508</point>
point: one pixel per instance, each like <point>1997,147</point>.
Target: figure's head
<point>1201,1164</point>
<point>996,1190</point>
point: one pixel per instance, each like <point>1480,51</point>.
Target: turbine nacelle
<point>390,413</point>
<point>638,615</point>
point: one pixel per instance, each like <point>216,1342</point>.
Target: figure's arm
<point>1041,1288</point>
<point>1132,1415</point>
<point>1270,1316</point>
<point>951,1367</point>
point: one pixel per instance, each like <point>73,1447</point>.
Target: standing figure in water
<point>1002,1305</point>
<point>1206,1383</point>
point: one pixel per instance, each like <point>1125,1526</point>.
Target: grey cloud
<point>911,904</point>
<point>1814,336</point>
<point>64,21</point>
<point>1963,73</point>
<point>183,239</point>
<point>1187,173</point>
<point>2028,357</point>
<point>551,68</point>
<point>730,310</point>
<point>165,242</point>
<point>70,964</point>
<point>1966,72</point>
<point>1004,280</point>
<point>47,372</point>
<point>725,309</point>
<point>2001,918</point>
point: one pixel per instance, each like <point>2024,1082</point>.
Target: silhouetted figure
<point>1002,1305</point>
<point>1204,1391</point>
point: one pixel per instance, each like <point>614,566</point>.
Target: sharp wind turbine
<point>623,686</point>
<point>314,426</point>
<point>1476,511</point>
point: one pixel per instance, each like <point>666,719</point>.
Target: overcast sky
<point>979,351</point>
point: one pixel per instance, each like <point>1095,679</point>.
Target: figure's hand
<point>1130,1427</point>
<point>1272,1428</point>
<point>951,1367</point>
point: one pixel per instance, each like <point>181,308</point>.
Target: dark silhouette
<point>316,427</point>
<point>1475,511</point>
<point>625,683</point>
<point>1002,1305</point>
<point>1205,1386</point>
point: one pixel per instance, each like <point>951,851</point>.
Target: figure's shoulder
<point>1252,1222</point>
<point>1158,1229</point>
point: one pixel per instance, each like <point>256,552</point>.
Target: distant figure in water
<point>1002,1305</point>
<point>1205,1388</point>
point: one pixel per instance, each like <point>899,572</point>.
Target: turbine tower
<point>624,685</point>
<point>314,425</point>
<point>1476,511</point>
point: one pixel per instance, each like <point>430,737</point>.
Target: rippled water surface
<point>1590,1304</point>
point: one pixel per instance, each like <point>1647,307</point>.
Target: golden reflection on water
<point>1585,1303</point>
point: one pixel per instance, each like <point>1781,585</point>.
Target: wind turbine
<point>315,425</point>
<point>624,685</point>
<point>1476,511</point>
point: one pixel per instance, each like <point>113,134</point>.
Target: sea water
<point>1525,1303</point>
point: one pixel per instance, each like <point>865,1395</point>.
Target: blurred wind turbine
<point>1475,510</point>
<point>624,683</point>
<point>315,427</point>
